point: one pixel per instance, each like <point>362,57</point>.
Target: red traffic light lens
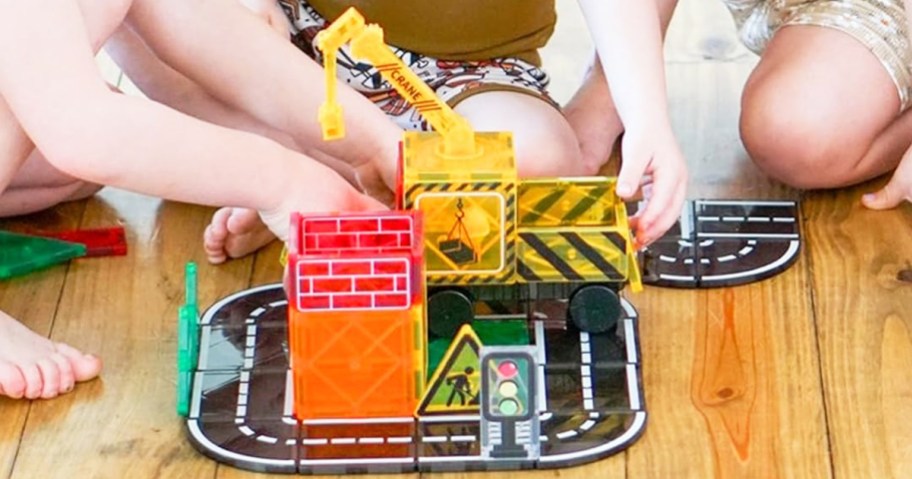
<point>507,369</point>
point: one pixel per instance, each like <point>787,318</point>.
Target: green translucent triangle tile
<point>22,254</point>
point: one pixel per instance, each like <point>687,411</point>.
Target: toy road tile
<point>450,444</point>
<point>266,394</point>
<point>590,387</point>
<point>22,254</point>
<point>562,346</point>
<point>724,243</point>
<point>579,436</point>
<point>449,438</point>
<point>734,261</point>
<point>242,347</point>
<point>266,308</point>
<point>746,218</point>
<point>569,346</point>
<point>217,395</point>
<point>671,263</point>
<point>604,348</point>
<point>346,446</point>
<point>563,385</point>
<point>265,446</point>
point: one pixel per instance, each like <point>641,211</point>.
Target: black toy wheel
<point>448,310</point>
<point>595,308</point>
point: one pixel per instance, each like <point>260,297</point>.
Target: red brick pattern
<point>353,284</point>
<point>380,233</point>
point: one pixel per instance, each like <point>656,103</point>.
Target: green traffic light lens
<point>508,407</point>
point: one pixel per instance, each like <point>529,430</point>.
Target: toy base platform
<point>590,395</point>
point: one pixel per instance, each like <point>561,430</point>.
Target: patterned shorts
<point>878,24</point>
<point>453,81</point>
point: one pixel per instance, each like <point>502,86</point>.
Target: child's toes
<point>33,380</point>
<point>214,247</point>
<point>218,226</point>
<point>243,221</point>
<point>216,235</point>
<point>50,378</point>
<point>85,366</point>
<point>12,383</point>
<point>67,378</point>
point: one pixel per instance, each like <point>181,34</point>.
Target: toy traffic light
<point>509,381</point>
<point>509,418</point>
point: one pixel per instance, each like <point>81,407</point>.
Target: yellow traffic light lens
<point>507,389</point>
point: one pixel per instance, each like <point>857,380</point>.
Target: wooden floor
<point>804,375</point>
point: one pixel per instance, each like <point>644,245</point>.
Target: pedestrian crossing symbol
<point>455,384</point>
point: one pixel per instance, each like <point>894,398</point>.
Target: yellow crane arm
<point>367,43</point>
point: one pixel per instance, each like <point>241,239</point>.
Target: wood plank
<point>732,384</point>
<point>31,299</point>
<point>863,298</point>
<point>124,308</point>
<point>728,373</point>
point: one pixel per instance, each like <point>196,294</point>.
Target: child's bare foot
<point>233,233</point>
<point>33,366</point>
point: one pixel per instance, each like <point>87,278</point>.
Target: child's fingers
<point>632,168</point>
<point>887,197</point>
<point>669,216</point>
<point>661,210</point>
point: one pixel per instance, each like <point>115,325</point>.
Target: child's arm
<point>55,91</point>
<point>628,41</point>
<point>264,75</point>
<point>271,13</point>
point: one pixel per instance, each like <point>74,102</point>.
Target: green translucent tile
<point>22,254</point>
<point>187,341</point>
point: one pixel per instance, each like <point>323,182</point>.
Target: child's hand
<point>653,157</point>
<point>899,188</point>
<point>271,13</point>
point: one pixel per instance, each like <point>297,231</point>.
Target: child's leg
<point>32,365</point>
<point>38,186</point>
<point>256,71</point>
<point>544,143</point>
<point>161,83</point>
<point>233,232</point>
<point>821,110</point>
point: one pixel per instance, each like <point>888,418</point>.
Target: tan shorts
<point>453,81</point>
<point>878,24</point>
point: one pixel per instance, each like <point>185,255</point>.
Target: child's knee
<point>103,18</point>
<point>551,152</point>
<point>791,141</point>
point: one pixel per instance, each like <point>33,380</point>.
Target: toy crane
<point>366,41</point>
